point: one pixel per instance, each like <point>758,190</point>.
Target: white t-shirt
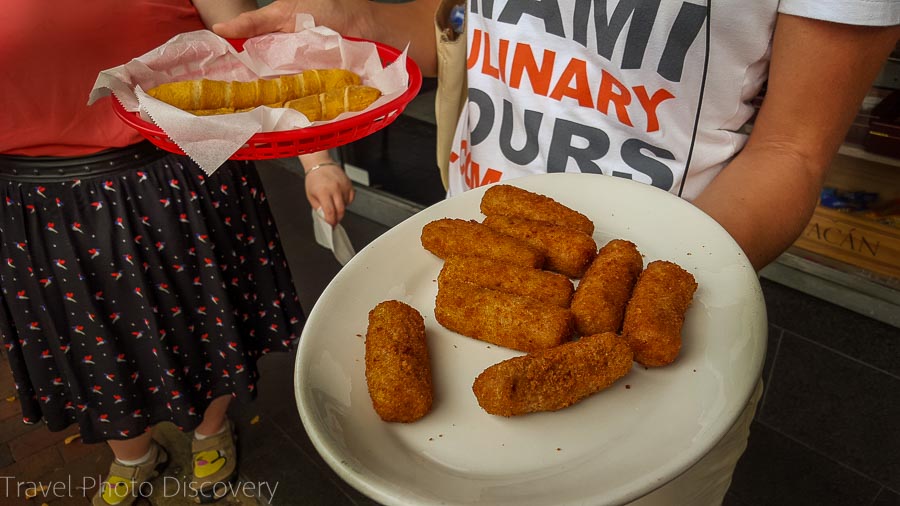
<point>646,90</point>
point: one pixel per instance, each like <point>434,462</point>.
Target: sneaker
<point>215,464</point>
<point>124,484</point>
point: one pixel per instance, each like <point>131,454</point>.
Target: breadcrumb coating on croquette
<point>567,251</point>
<point>603,292</point>
<point>553,379</point>
<point>398,368</point>
<point>544,286</point>
<point>655,313</point>
<point>450,236</point>
<point>508,200</point>
<point>504,319</point>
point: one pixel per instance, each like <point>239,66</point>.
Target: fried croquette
<point>655,313</point>
<point>398,369</point>
<point>449,236</point>
<point>507,200</point>
<point>553,379</point>
<point>602,294</point>
<point>567,251</point>
<point>504,319</point>
<point>544,286</point>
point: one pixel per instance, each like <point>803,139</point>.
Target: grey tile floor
<point>827,432</point>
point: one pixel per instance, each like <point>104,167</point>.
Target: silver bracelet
<point>314,167</point>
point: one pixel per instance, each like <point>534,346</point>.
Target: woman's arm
<point>818,76</point>
<point>393,24</point>
<point>216,11</point>
<point>327,186</point>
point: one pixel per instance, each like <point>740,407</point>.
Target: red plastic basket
<point>290,143</point>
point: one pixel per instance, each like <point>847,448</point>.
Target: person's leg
<point>213,452</point>
<point>214,418</point>
<point>131,449</point>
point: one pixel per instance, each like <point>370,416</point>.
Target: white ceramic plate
<point>608,449</point>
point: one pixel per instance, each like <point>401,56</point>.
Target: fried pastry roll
<point>398,368</point>
<point>545,286</point>
<point>602,294</point>
<point>508,200</point>
<point>328,105</point>
<point>449,236</point>
<point>655,313</point>
<point>211,95</point>
<point>567,251</point>
<point>553,379</point>
<point>504,319</point>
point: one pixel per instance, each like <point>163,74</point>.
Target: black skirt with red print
<point>136,288</point>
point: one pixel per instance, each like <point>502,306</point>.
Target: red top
<point>51,53</point>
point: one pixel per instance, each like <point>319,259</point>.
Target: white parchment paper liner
<point>211,140</point>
